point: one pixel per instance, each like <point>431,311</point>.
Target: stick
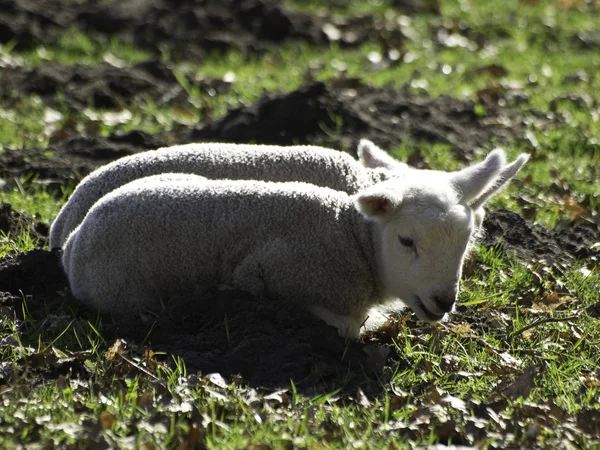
<point>537,322</point>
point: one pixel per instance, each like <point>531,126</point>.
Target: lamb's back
<point>310,164</point>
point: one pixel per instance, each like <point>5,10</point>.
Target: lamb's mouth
<point>431,317</point>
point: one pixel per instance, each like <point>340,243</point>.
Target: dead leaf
<point>106,420</point>
<point>145,400</point>
<point>493,70</point>
<point>433,394</point>
<point>522,385</point>
<point>591,381</point>
<point>150,360</point>
<point>462,329</point>
<point>119,347</point>
<point>569,4</point>
<point>218,380</point>
<point>147,446</point>
<point>362,399</point>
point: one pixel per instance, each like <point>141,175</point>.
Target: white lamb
<point>295,243</point>
<point>310,164</point>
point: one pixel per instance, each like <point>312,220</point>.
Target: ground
<point>130,88</point>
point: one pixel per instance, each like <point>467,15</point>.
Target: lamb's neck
<point>366,235</point>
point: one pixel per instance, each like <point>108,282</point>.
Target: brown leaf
<point>106,420</point>
<point>150,360</point>
<point>119,347</point>
<point>147,446</point>
<point>494,70</point>
<point>462,329</point>
<point>490,94</point>
<point>433,394</point>
<point>145,400</point>
<point>591,381</point>
<point>569,4</point>
<point>522,385</point>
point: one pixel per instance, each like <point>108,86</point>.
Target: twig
<point>143,370</point>
<point>537,322</point>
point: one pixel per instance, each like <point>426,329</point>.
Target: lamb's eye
<point>407,242</point>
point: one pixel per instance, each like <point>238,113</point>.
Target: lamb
<point>316,165</point>
<point>334,254</point>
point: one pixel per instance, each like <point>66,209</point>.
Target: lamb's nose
<point>445,301</point>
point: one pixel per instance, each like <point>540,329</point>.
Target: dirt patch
<point>340,114</point>
<point>13,222</point>
<point>102,86</point>
<point>335,116</point>
<point>534,243</point>
<point>75,158</point>
<point>190,29</point>
<point>37,272</point>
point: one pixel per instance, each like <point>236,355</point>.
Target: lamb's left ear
<point>505,175</point>
<point>372,157</point>
<point>378,202</point>
<point>473,180</point>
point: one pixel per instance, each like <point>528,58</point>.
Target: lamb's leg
<point>253,275</point>
<point>347,326</point>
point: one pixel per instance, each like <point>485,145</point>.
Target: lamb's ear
<point>378,202</point>
<point>372,157</point>
<point>472,180</point>
<point>506,174</point>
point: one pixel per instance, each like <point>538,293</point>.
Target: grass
<point>62,385</point>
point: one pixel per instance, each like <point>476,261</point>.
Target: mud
<point>340,114</point>
<point>75,158</point>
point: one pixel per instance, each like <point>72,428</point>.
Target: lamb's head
<point>424,223</point>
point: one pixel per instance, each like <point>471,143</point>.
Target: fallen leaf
<point>106,420</point>
<point>522,385</point>
<point>462,329</point>
<point>494,70</point>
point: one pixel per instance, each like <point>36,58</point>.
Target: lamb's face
<point>425,221</point>
<point>421,255</point>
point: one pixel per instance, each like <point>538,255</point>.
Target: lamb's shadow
<point>231,332</point>
<point>222,331</point>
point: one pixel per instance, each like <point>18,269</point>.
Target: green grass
<point>527,317</point>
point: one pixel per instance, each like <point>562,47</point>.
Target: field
<point>438,84</point>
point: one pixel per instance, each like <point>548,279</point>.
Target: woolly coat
<point>294,243</point>
<point>310,164</point>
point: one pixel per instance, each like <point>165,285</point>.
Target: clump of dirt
<point>76,157</point>
<point>537,244</point>
<point>190,29</point>
<point>37,272</point>
<point>102,86</point>
<point>13,222</point>
<point>340,114</point>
